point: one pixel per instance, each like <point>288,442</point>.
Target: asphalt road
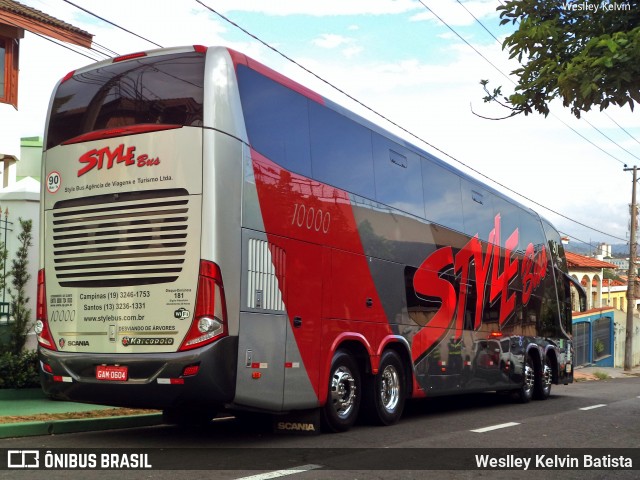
<point>587,415</point>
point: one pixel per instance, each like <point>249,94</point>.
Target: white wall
<point>22,200</point>
<point>620,319</point>
<point>9,131</point>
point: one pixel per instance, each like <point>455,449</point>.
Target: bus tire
<point>525,392</point>
<point>188,416</point>
<point>385,392</point>
<point>343,400</point>
<point>542,385</point>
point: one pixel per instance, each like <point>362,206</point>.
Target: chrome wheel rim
<point>546,377</point>
<point>389,388</point>
<point>529,377</point>
<point>343,392</point>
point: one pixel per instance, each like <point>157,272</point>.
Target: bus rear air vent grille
<point>135,238</point>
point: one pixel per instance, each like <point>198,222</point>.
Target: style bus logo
<point>105,156</point>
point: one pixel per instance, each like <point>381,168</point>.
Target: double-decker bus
<point>217,236</point>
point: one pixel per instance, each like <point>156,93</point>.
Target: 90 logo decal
<point>53,182</point>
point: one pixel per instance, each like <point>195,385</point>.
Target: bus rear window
<point>164,90</point>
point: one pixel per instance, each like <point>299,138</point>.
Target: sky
<point>401,61</point>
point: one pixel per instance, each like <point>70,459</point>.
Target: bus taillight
<point>131,56</point>
<point>210,320</point>
<point>42,321</point>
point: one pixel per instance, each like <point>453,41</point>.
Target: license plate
<point>112,373</point>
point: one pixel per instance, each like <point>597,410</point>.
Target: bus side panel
<point>302,214</point>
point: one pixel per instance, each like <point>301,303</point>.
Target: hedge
<point>19,371</point>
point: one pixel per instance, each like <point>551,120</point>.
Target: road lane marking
<point>593,406</point>
<point>281,473</point>
<point>495,427</point>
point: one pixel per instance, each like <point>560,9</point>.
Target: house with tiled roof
<point>15,19</point>
<point>589,272</point>
<point>599,333</point>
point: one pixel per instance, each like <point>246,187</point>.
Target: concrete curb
<point>55,427</point>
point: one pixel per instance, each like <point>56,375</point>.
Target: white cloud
<point>333,41</point>
<point>329,40</point>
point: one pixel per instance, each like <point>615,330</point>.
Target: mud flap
<point>302,422</point>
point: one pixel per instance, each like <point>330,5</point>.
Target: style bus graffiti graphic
<point>429,283</point>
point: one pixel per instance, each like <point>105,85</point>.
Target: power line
<point>108,51</point>
<point>479,22</point>
<point>8,22</point>
<point>275,50</point>
<point>555,116</point>
<point>112,23</point>
<point>621,128</point>
<point>464,40</point>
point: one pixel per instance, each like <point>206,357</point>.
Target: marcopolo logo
<point>181,313</point>
<point>128,341</point>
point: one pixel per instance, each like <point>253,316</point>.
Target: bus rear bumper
<point>154,380</point>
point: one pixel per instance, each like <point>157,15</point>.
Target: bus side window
<point>277,121</point>
<point>442,195</point>
<point>478,212</point>
<point>341,153</point>
<point>398,176</point>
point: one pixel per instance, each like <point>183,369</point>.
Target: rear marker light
<point>171,381</point>
<point>47,368</point>
<point>67,76</point>
<point>190,371</point>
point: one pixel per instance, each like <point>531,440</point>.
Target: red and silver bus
<point>217,236</point>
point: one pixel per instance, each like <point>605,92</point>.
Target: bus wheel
<point>525,392</point>
<point>542,387</point>
<point>385,392</point>
<point>343,401</point>
<point>188,416</point>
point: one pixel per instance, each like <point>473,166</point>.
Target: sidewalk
<point>593,372</point>
<point>28,412</point>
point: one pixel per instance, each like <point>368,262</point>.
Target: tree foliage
<point>585,52</point>
<point>20,311</point>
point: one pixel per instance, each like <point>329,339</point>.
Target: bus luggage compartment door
<point>260,376</point>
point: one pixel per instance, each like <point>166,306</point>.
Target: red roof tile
<point>580,261</point>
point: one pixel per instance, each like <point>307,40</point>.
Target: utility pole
<point>631,280</point>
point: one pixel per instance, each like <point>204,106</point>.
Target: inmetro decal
<point>98,158</point>
<point>429,283</point>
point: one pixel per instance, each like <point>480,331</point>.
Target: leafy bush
<point>19,371</point>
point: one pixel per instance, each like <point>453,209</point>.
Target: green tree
<point>585,52</point>
<point>21,313</point>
